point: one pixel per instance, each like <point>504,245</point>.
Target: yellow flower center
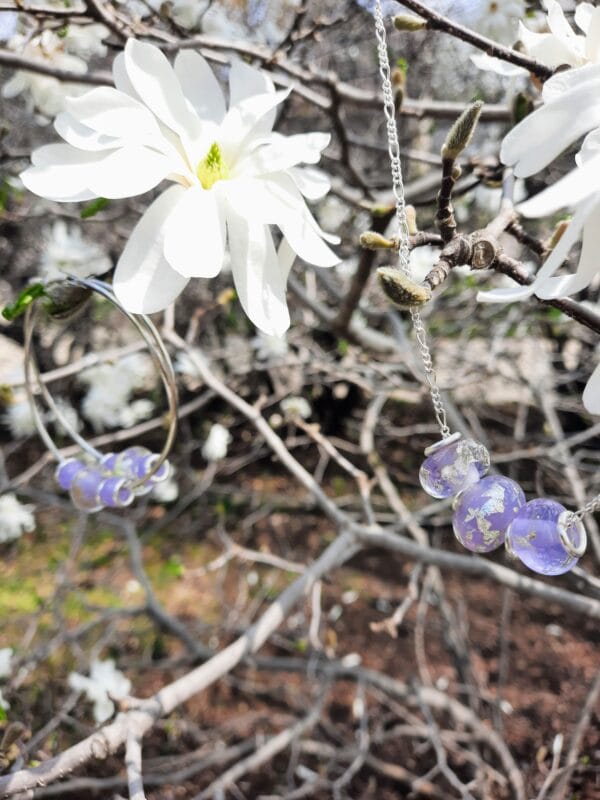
<point>212,168</point>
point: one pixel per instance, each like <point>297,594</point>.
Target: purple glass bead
<point>66,472</point>
<point>114,493</point>
<point>145,465</point>
<point>453,466</point>
<point>127,463</point>
<point>483,512</point>
<point>84,489</point>
<point>544,536</point>
<point>108,462</point>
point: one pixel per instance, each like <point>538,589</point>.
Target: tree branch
<point>440,23</point>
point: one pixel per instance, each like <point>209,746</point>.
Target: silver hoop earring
<point>96,480</point>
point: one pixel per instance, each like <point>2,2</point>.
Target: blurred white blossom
<point>6,654</point>
<point>67,52</point>
<point>294,406</point>
<point>104,682</point>
<point>67,251</point>
<point>8,25</point>
<point>166,491</point>
<point>559,45</point>
<point>232,179</point>
<point>70,415</point>
<point>422,261</point>
<point>18,417</point>
<point>269,347</point>
<point>108,402</point>
<point>217,441</point>
<point>15,518</point>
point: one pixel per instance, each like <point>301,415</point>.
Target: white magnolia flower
<point>232,178</point>
<point>44,92</point>
<point>296,407</point>
<point>562,45</point>
<point>66,251</point>
<point>571,108</point>
<point>6,654</point>
<point>269,347</point>
<point>215,446</point>
<point>19,417</point>
<point>105,682</point>
<point>559,46</point>
<point>15,518</point>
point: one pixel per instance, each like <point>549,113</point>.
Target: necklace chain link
<point>389,108</point>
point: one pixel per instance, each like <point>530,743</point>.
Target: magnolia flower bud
<point>401,290</point>
<point>411,220</point>
<point>408,22</point>
<point>461,133</point>
<point>375,241</point>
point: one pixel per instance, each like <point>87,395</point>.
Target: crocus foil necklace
<point>489,510</point>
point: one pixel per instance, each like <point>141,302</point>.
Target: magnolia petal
<point>200,86</point>
<point>128,172</point>
<point>547,48</point>
<point>312,183</point>
<point>195,234</point>
<point>247,120</point>
<point>284,187</point>
<point>156,84</point>
<point>144,282</point>
<point>583,16</point>
<point>82,137</point>
<point>589,148</point>
<point>284,152</point>
<point>286,256</point>
<point>557,22</point>
<point>306,242</point>
<point>589,263</point>
<point>108,111</point>
<point>60,173</point>
<point>544,134</point>
<point>121,78</point>
<point>491,64</point>
<point>570,190</point>
<point>591,394</point>
<point>568,80</point>
<point>258,277</point>
<point>592,42</point>
<point>507,295</point>
<point>254,200</point>
<point>246,81</point>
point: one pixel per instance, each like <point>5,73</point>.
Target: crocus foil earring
<point>96,480</point>
<point>489,510</point>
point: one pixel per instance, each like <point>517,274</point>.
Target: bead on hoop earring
<point>96,480</point>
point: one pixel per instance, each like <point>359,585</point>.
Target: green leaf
<point>94,207</point>
<point>402,64</point>
<point>2,714</point>
<point>23,301</point>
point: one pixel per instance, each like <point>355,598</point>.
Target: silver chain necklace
<point>445,471</point>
